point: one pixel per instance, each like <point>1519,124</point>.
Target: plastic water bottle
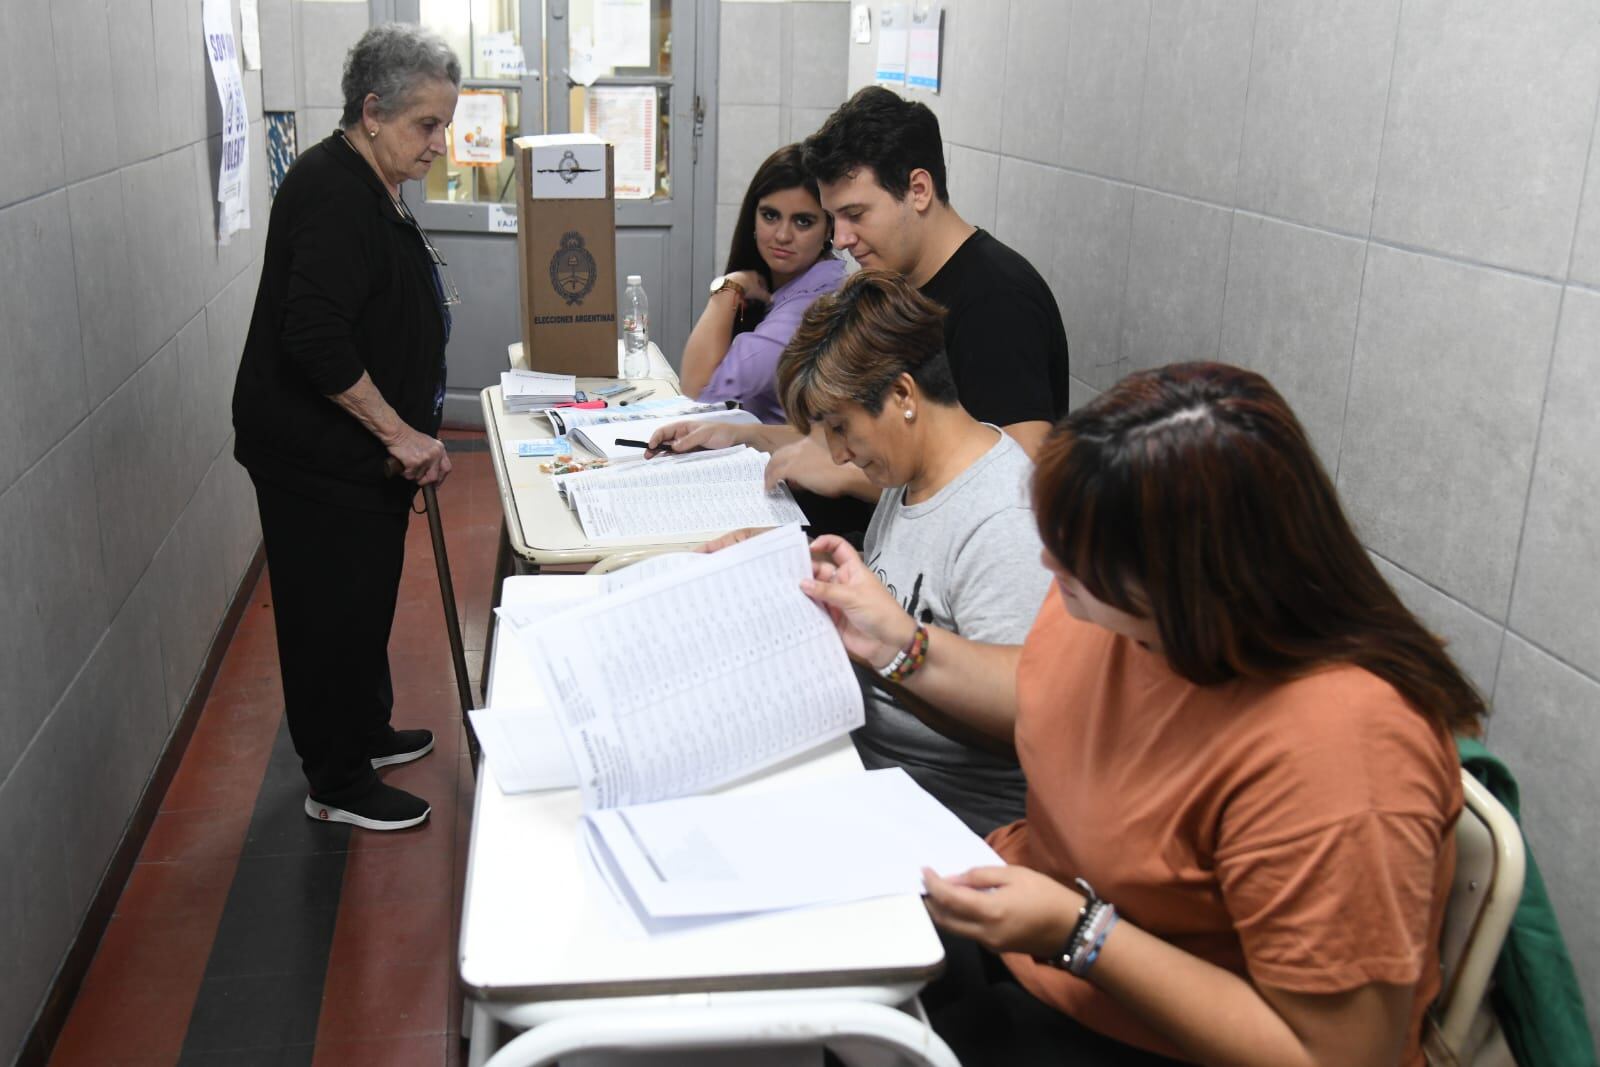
<point>635,330</point>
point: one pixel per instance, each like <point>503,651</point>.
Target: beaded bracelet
<point>1090,950</point>
<point>908,660</point>
<point>1088,937</point>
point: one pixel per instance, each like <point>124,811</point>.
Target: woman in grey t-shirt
<point>953,535</point>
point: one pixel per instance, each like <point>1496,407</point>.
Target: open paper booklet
<point>567,420</point>
<point>672,496</point>
<point>599,434</point>
<point>687,673</point>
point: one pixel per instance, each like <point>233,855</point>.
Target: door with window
<point>628,70</point>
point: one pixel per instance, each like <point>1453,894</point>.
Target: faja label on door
<point>502,218</point>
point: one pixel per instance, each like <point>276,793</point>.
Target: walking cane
<point>452,622</point>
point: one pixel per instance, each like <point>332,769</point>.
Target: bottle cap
<point>634,279</point>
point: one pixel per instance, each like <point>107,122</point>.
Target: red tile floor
<point>380,934</point>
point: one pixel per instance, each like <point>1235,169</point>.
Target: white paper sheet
<point>529,390</point>
<point>847,838</point>
<point>622,33</point>
<point>922,62</point>
<point>861,24</point>
<point>233,188</point>
<point>524,749</point>
<point>478,129</point>
<point>625,115</point>
<point>500,56</point>
<point>250,33</point>
<point>691,680</point>
<point>894,25</point>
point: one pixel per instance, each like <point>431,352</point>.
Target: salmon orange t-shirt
<point>1299,834</point>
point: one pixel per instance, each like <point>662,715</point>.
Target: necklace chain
<point>399,205</point>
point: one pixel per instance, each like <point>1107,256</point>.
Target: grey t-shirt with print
<point>966,560</point>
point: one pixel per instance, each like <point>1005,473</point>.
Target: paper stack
<point>531,390</point>
<point>741,672</point>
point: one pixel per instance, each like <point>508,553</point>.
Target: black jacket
<point>346,286</point>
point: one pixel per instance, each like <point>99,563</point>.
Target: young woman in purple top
<point>781,260</point>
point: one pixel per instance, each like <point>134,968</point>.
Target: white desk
<point>532,943</point>
<point>539,528</point>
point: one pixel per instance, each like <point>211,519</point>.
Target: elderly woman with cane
<point>342,378</point>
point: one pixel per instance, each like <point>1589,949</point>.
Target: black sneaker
<point>383,807</point>
<point>403,746</point>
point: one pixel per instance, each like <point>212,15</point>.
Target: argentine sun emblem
<point>572,269</point>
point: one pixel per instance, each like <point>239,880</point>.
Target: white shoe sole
<point>402,757</point>
<point>329,813</point>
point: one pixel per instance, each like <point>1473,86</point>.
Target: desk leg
<point>484,1035</point>
<point>502,567</point>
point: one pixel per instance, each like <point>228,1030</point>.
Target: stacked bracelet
<point>907,661</point>
<point>1095,921</point>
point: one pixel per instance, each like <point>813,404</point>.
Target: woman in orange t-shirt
<point>1242,787</point>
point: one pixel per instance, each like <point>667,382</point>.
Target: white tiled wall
<point>125,524</point>
<point>1391,208</point>
<point>781,71</point>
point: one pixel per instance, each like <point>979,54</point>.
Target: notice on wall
<point>233,172</point>
<point>250,34</point>
<point>922,61</point>
<point>861,24</point>
<point>626,116</point>
<point>583,65</point>
<point>622,33</point>
<point>500,56</point>
<point>478,129</point>
<point>894,25</point>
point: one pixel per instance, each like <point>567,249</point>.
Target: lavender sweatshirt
<point>748,373</point>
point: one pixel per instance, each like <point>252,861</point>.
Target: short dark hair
<point>882,130</point>
<point>1190,495</point>
<point>854,344</point>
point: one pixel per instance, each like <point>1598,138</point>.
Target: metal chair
<point>1490,864</point>
<point>634,555</point>
<point>859,1032</point>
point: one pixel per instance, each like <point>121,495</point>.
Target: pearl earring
<point>373,132</point>
<point>908,414</point>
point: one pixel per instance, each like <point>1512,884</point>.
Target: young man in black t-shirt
<point>879,163</point>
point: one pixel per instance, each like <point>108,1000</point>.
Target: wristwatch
<point>722,281</point>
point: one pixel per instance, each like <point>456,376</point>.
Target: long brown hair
<point>779,171</point>
<point>1191,495</point>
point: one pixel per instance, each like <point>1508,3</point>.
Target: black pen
<point>628,442</point>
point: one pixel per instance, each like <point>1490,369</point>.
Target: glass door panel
<point>454,181</point>
<point>487,37</point>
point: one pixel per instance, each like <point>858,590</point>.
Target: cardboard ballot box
<point>567,254</point>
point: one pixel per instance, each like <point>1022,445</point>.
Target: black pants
<point>987,1018</point>
<point>335,578</point>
